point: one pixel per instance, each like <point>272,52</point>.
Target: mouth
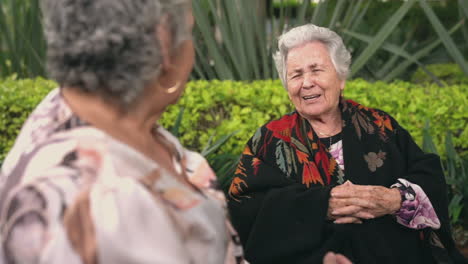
<point>311,97</point>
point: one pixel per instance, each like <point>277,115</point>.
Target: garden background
<point>409,59</point>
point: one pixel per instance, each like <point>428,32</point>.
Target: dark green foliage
<point>223,164</point>
<point>388,39</point>
<point>234,39</point>
<point>455,175</point>
<point>22,44</point>
<point>449,74</point>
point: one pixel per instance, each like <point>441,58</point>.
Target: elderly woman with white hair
<point>335,175</point>
<point>92,177</point>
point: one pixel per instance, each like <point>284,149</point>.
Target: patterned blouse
<point>73,194</point>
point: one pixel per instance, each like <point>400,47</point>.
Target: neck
<point>110,118</point>
<point>328,124</point>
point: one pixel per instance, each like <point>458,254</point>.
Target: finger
<point>342,202</point>
<point>364,215</point>
<point>345,185</point>
<point>359,191</point>
<point>375,212</point>
<point>337,203</point>
<point>348,182</point>
<point>330,258</point>
<point>352,210</point>
<point>342,193</point>
<point>348,220</point>
<point>345,191</point>
<point>340,259</point>
<point>338,189</point>
<point>346,210</point>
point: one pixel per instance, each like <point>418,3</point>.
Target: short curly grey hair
<point>109,47</point>
<point>340,56</point>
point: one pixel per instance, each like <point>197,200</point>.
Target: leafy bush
<point>447,73</point>
<point>224,164</point>
<point>412,105</point>
<point>455,175</point>
<point>221,107</point>
<point>228,106</point>
<point>17,99</point>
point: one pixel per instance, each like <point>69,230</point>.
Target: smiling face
<point>313,84</point>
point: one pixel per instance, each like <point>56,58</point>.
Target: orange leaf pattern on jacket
<point>288,148</point>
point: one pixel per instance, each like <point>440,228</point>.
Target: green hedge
<point>449,74</point>
<point>17,99</point>
<point>221,107</point>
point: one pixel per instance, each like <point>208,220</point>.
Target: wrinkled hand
<point>349,203</point>
<point>332,258</point>
<point>354,208</point>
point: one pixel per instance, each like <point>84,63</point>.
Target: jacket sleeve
<point>425,170</point>
<point>278,219</point>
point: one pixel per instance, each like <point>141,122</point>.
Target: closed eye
<point>295,75</point>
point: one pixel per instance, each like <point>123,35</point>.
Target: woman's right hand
<point>332,258</point>
<point>354,208</point>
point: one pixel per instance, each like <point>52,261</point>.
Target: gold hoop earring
<point>174,88</point>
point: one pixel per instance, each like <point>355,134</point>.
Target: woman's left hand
<point>380,200</point>
<point>332,258</point>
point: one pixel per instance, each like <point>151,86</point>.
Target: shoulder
<point>37,127</point>
<point>280,128</point>
<point>61,165</point>
<point>349,103</point>
<point>379,118</point>
<point>286,122</point>
<point>39,185</point>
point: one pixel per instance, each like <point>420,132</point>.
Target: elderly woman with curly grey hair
<point>335,175</point>
<point>92,177</point>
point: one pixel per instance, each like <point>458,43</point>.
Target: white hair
<point>340,56</point>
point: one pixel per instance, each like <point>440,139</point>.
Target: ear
<point>342,85</point>
<point>165,42</point>
<point>289,95</point>
<point>167,74</point>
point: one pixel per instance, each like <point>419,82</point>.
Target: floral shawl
<point>279,195</point>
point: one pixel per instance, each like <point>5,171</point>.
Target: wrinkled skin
<point>350,203</point>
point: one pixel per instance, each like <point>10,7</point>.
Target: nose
<point>308,81</point>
